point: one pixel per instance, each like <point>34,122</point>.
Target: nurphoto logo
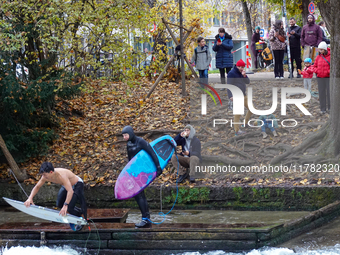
<point>238,103</point>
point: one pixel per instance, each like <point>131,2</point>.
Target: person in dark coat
<point>190,155</point>
<point>238,78</point>
<point>311,36</point>
<point>134,145</point>
<point>223,46</point>
<point>294,35</point>
<point>254,39</point>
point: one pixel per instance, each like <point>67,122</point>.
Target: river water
<point>322,241</point>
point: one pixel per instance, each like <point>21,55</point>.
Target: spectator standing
<point>277,39</point>
<point>223,46</point>
<point>239,78</point>
<point>322,69</point>
<point>202,59</point>
<point>311,36</point>
<point>307,74</point>
<point>254,39</point>
<point>322,25</point>
<point>294,35</point>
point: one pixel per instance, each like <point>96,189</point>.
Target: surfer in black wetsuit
<point>134,145</point>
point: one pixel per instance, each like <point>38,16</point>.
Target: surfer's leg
<point>144,208</point>
<point>78,193</point>
<point>61,197</point>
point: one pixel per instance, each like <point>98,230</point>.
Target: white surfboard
<point>46,213</point>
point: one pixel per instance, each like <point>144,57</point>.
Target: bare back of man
<point>61,176</point>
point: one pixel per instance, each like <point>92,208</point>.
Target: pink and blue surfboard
<point>141,170</point>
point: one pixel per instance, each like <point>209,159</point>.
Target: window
<point>232,19</point>
<point>240,19</point>
<point>216,20</point>
<point>225,18</point>
<point>137,46</point>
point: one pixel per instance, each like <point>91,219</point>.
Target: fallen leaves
<point>86,143</point>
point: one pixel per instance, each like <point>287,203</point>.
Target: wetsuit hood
<point>129,130</point>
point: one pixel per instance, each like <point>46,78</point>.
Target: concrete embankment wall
<point>198,197</point>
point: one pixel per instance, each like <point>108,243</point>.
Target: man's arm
<point>298,33</point>
<point>246,79</point>
<point>147,147</point>
<point>228,44</point>
<point>193,59</point>
<point>67,185</point>
<point>271,36</point>
<point>34,191</point>
<point>302,40</point>
<point>209,57</point>
<point>215,46</point>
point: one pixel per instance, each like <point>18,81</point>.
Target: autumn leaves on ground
<point>90,142</point>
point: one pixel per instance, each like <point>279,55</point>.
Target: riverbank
<point>123,238</point>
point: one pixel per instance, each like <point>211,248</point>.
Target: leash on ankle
<point>161,213</point>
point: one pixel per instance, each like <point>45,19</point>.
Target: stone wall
<point>198,197</point>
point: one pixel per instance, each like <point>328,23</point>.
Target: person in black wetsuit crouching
<point>134,145</point>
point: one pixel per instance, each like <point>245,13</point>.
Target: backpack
<point>206,52</point>
<point>267,54</point>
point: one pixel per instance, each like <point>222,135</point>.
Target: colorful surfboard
<point>141,170</point>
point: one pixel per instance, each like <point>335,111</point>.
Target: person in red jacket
<point>307,74</point>
<point>322,69</point>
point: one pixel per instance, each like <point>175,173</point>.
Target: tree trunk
<point>249,29</point>
<point>329,12</point>
<point>305,11</point>
<point>326,14</point>
<point>20,175</point>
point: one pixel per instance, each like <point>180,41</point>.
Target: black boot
<point>145,223</point>
<point>182,177</point>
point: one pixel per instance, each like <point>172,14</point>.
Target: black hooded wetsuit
<point>134,145</point>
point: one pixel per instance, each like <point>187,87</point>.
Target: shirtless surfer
<point>72,190</point>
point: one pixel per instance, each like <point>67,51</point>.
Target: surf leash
<point>88,237</point>
<point>164,214</point>
<point>18,182</point>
